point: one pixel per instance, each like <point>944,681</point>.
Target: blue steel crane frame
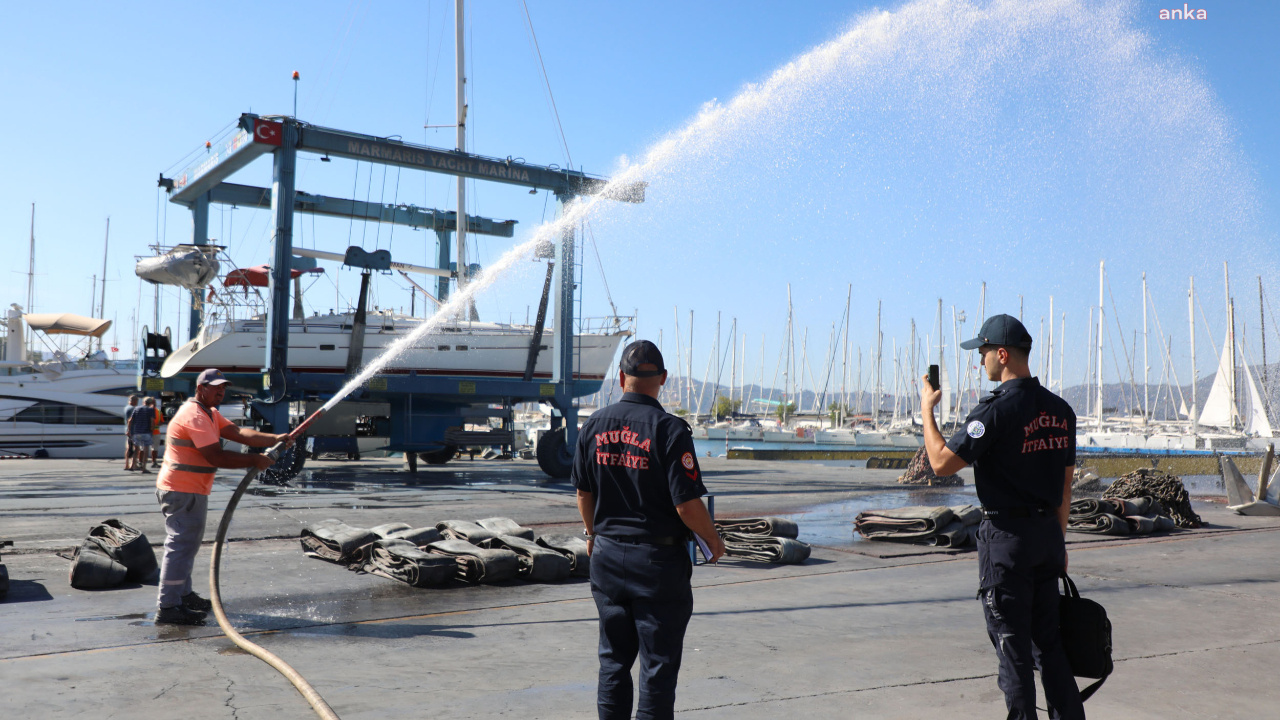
<point>202,184</point>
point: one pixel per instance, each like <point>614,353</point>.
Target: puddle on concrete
<point>233,650</point>
<point>320,482</point>
<point>130,616</point>
<point>832,523</point>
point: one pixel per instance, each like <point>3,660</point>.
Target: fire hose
<point>215,597</point>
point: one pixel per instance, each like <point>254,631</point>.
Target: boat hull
<point>469,350</point>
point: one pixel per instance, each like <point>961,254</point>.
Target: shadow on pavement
<point>21,591</point>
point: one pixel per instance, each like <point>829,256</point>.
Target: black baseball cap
<point>1003,330</point>
<point>641,352</point>
<point>211,376</point>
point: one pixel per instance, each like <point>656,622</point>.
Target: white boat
<point>320,344</point>
<point>66,407</point>
<point>63,407</point>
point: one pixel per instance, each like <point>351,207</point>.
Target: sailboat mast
<point>688,400</point>
<point>946,404</point>
<point>982,318</point>
<point>101,301</point>
<point>1102,269</point>
<point>960,382</point>
<point>844,372</point>
<point>897,376</point>
<point>1040,369</point>
<point>675,311</point>
<point>1146,362</point>
<point>1191,321</point>
<point>1048,375</point>
<point>31,275</point>
<point>879,365</point>
<point>1231,333</point>
<point>719,367</point>
<point>859,400</point>
<point>1062,353</point>
<point>789,374</point>
<point>1262,320</point>
<point>804,364</point>
<point>732,367</point>
<point>1088,373</point>
<point>1231,341</point>
<point>461,143</point>
<point>760,387</point>
<point>915,359</point>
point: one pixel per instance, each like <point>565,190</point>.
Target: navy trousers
<point>1020,560</point>
<point>645,601</point>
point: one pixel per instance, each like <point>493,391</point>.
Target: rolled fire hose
<point>215,597</point>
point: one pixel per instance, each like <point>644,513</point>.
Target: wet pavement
<point>863,629</point>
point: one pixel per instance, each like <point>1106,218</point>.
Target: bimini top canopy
<point>259,276</point>
<point>67,324</point>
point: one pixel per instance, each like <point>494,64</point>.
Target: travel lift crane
<point>422,407</point>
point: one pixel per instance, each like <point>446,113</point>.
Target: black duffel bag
<point>128,546</point>
<point>93,566</point>
<point>1086,636</point>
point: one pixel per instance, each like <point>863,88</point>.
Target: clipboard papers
<point>697,543</point>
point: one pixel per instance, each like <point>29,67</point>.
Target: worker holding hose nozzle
<point>193,453</point>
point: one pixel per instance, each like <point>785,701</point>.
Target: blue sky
<point>946,144</point>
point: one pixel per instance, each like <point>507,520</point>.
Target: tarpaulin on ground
<point>937,525</point>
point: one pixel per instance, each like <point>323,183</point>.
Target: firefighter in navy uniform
<point>1020,440</point>
<point>640,495</point>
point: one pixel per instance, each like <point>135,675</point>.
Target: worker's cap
<point>212,376</point>
<point>1003,330</point>
<point>641,352</point>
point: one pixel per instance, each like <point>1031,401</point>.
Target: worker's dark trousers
<point>643,594</point>
<point>1020,560</point>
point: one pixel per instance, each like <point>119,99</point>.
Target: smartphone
<point>933,378</point>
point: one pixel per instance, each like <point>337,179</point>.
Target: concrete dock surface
<point>862,629</point>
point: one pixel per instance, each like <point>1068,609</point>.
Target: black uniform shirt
<point>1020,439</point>
<point>640,463</point>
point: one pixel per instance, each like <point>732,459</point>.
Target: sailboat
<point>1221,409</point>
<point>235,341</point>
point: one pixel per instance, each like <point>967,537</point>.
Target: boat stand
<point>423,407</point>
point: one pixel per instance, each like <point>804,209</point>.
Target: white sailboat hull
<point>321,345</point>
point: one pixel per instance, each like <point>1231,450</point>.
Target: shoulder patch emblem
<point>687,461</point>
<point>976,429</point>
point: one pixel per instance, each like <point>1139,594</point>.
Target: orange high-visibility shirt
<point>185,469</point>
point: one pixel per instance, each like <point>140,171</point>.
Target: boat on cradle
<point>233,335</point>
<point>321,343</point>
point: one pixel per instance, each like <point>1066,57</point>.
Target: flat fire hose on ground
<point>215,597</point>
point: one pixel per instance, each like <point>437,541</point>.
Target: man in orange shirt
<point>193,452</point>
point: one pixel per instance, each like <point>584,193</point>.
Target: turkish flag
<point>268,133</point>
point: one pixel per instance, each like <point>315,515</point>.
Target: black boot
<point>178,615</point>
<point>192,601</point>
